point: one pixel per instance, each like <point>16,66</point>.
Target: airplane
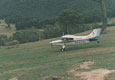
<point>72,40</point>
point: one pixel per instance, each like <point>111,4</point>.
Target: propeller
<point>51,44</point>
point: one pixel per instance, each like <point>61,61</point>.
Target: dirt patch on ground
<point>86,65</point>
<point>97,74</point>
<point>15,78</point>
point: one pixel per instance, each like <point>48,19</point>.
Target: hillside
<point>38,61</point>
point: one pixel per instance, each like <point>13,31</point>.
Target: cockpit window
<point>67,39</point>
<point>70,38</point>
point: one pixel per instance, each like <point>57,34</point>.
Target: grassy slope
<point>37,61</point>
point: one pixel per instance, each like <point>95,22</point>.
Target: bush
<point>29,23</point>
<point>69,19</point>
<point>3,40</point>
<point>25,36</point>
<point>52,31</point>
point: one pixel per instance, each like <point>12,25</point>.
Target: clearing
<point>38,61</point>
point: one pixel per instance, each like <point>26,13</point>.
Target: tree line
<point>67,22</point>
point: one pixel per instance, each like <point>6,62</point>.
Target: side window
<point>63,39</point>
<point>67,39</point>
<point>70,38</point>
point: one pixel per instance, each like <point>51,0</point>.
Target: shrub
<point>3,40</point>
<point>11,43</point>
<point>51,31</point>
<point>25,36</point>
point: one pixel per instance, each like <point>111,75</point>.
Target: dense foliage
<point>29,13</point>
<point>53,17</point>
<point>3,39</point>
<point>69,19</point>
<point>25,36</point>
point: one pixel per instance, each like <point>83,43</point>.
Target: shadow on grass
<point>57,49</point>
<point>82,46</point>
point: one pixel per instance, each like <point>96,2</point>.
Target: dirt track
<point>97,74</point>
<point>86,65</point>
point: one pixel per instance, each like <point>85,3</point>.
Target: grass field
<point>38,61</point>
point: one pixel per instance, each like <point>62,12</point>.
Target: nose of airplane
<point>51,43</point>
<point>57,42</point>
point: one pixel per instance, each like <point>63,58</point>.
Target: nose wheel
<point>63,48</point>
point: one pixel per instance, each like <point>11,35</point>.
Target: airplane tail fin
<point>95,33</point>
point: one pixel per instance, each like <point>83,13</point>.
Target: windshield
<point>67,39</point>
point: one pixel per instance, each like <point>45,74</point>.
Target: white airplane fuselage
<point>72,40</point>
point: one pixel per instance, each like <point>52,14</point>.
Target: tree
<point>51,31</point>
<point>68,19</point>
<point>104,14</point>
<point>3,39</point>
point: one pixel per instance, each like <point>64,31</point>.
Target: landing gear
<point>63,48</point>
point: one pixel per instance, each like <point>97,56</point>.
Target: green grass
<point>38,61</point>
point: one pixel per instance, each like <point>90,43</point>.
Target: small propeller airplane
<point>72,40</point>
